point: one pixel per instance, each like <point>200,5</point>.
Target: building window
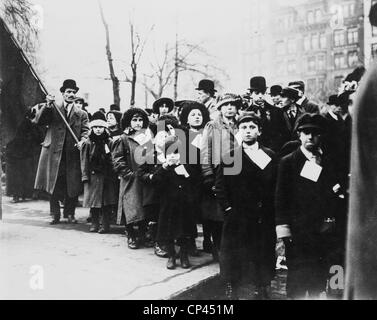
<point>321,62</point>
<point>353,59</point>
<point>339,61</point>
<point>315,41</point>
<point>310,17</point>
<point>292,46</point>
<point>311,64</point>
<point>339,38</point>
<point>322,41</point>
<point>312,85</point>
<point>280,48</point>
<point>318,15</point>
<point>338,82</point>
<point>292,66</point>
<point>353,36</point>
<point>307,43</point>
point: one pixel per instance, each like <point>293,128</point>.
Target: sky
<point>72,42</point>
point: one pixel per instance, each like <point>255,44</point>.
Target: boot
<point>104,220</point>
<point>159,251</point>
<point>95,221</point>
<point>171,264</point>
<point>185,263</point>
<point>55,219</point>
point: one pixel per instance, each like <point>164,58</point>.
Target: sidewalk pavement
<point>65,261</point>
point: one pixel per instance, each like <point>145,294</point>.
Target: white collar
<point>333,115</point>
<point>301,100</point>
<point>253,147</point>
<point>310,156</point>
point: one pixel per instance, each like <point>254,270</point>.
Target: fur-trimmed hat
<point>69,84</point>
<point>130,113</point>
<point>188,106</point>
<point>231,98</point>
<point>169,103</point>
<point>98,120</point>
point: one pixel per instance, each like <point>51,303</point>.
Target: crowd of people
<point>251,169</point>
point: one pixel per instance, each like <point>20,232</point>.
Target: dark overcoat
<point>100,188</point>
<point>303,204</point>
<point>176,218</point>
<point>247,251</point>
<point>59,140</point>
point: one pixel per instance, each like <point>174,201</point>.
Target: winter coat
<point>59,140</point>
<point>217,141</point>
<point>126,166</point>
<point>100,188</point>
<point>304,205</point>
<point>248,242</point>
<point>176,194</point>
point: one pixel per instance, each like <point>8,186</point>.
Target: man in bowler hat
<point>272,120</point>
<point>206,95</point>
<point>59,171</point>
<point>275,93</point>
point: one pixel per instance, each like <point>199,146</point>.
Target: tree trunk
<point>113,77</point>
<point>176,71</point>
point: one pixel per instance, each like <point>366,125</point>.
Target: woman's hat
<point>98,120</point>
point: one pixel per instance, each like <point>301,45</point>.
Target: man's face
<point>203,96</point>
<point>310,138</point>
<point>286,102</point>
<point>164,110</point>
<point>195,118</point>
<point>69,95</point>
<point>228,110</point>
<point>78,104</point>
<point>137,123</point>
<point>335,109</point>
<point>249,132</point>
<point>98,130</point>
<point>276,99</point>
<point>258,97</point>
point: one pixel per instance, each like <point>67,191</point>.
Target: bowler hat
<point>333,100</point>
<point>311,121</point>
<point>207,86</point>
<point>275,90</point>
<point>163,101</point>
<point>69,84</point>
<point>290,93</point>
<point>98,120</point>
<point>258,84</point>
<point>249,116</point>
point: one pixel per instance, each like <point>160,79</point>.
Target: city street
<point>40,261</point>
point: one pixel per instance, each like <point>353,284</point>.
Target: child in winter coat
<point>97,174</point>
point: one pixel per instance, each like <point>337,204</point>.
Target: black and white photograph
<point>182,151</point>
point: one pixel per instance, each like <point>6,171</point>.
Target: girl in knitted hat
<point>97,174</point>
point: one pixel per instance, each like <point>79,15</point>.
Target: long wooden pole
<point>39,81</point>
